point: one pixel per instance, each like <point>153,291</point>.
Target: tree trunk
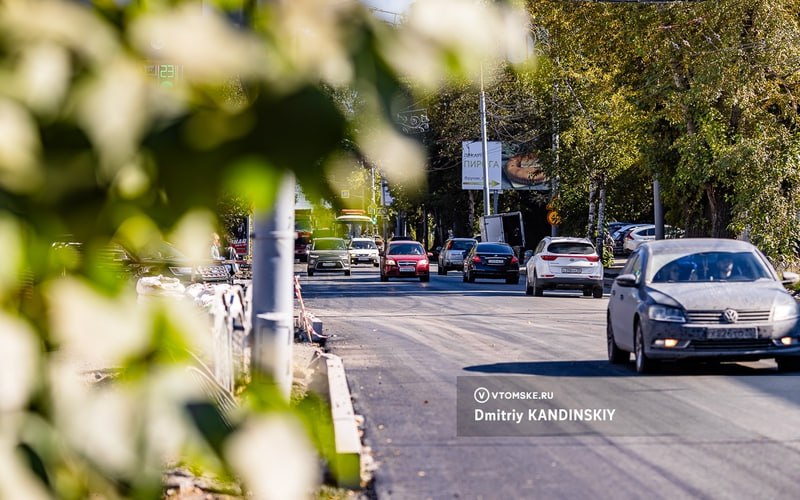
<point>601,218</point>
<point>590,226</point>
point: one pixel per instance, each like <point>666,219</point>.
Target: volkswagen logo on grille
<point>730,316</point>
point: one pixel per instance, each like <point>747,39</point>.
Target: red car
<point>405,259</point>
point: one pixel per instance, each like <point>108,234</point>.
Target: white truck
<point>506,227</point>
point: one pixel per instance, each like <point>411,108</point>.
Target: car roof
<point>329,238</point>
<point>398,242</point>
<point>461,239</point>
<point>704,244</point>
<point>567,239</point>
<point>363,239</point>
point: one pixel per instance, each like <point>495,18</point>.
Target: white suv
<point>363,250</point>
<point>562,262</point>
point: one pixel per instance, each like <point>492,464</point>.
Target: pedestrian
<point>216,250</point>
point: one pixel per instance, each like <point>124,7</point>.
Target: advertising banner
<point>472,165</point>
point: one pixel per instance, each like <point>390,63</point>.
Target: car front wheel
<point>643,363</point>
<point>788,364</point>
<point>616,355</point>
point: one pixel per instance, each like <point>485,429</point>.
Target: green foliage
<point>144,121</point>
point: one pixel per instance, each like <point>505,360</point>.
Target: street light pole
<point>485,145</point>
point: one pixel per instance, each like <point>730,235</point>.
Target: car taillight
<point>476,259</point>
<point>592,258</point>
<point>549,257</point>
<point>629,236</point>
<point>514,260</point>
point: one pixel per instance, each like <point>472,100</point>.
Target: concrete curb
<point>346,462</point>
<point>345,426</point>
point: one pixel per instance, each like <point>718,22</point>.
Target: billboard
<point>524,172</point>
<point>472,165</point>
<point>507,170</point>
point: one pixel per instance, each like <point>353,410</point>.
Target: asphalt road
<point>726,431</point>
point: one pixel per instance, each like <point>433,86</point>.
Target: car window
<point>329,245</point>
<point>462,245</point>
<point>710,266</point>
<point>633,266</point>
<point>406,249</point>
<point>363,245</point>
<point>494,248</point>
<point>650,232</point>
<point>574,248</point>
<point>540,246</point>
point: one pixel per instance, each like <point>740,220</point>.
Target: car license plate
<point>407,269</point>
<point>571,270</point>
<point>496,261</point>
<point>328,264</point>
<point>731,333</point>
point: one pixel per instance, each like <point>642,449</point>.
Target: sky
<point>388,9</point>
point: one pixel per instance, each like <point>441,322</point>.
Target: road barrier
<point>308,323</point>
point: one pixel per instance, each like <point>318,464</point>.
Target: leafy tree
<point>94,149</point>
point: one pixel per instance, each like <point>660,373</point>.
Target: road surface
<point>729,431</point>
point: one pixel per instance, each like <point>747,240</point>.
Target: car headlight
<point>390,262</point>
<point>664,313</point>
<point>423,262</point>
<point>785,311</point>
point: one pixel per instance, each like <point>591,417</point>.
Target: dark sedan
<point>703,299</point>
<point>491,260</point>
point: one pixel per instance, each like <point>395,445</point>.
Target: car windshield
<point>493,248</point>
<point>363,245</point>
<point>406,249</point>
<point>571,248</point>
<point>329,245</point>
<point>708,266</point>
<point>462,245</point>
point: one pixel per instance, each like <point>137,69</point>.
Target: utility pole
<point>658,213</point>
<point>485,144</point>
<point>273,301</point>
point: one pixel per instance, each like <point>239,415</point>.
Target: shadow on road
<point>602,368</point>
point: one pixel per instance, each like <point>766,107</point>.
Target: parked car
<point>704,299</point>
<point>328,254</point>
<point>491,260</point>
<point>154,259</point>
<point>405,259</point>
<point>619,237</point>
<point>364,250</point>
<point>637,236</point>
<point>567,263</point>
<point>452,254</point>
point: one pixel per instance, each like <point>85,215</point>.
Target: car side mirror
<point>430,254</point>
<point>790,278</point>
<point>627,280</point>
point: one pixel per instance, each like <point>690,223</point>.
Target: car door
<point>624,302</point>
<point>535,260</point>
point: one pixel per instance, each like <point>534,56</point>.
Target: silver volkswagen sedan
<point>704,299</point>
